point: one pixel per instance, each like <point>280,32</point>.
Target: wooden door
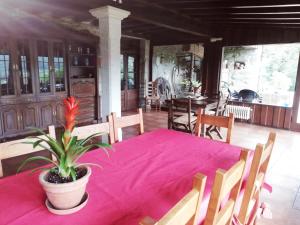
<point>47,114</point>
<point>11,119</point>
<point>29,116</point>
<point>129,82</point>
<point>296,106</point>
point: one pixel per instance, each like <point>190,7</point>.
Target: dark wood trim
<point>268,115</point>
<point>296,104</point>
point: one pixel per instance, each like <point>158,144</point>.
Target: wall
<point>164,61</point>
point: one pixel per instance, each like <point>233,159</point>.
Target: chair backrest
<point>218,121</point>
<point>106,128</point>
<point>221,107</point>
<point>152,89</point>
<point>256,178</point>
<point>178,106</point>
<point>187,210</point>
<point>225,191</point>
<point>18,147</point>
<point>127,121</point>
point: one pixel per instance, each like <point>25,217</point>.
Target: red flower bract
<point>71,111</point>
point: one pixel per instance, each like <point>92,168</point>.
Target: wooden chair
<point>218,121</point>
<point>259,166</point>
<point>106,128</point>
<point>187,210</point>
<point>181,116</point>
<point>127,121</point>
<point>152,97</point>
<point>219,111</point>
<point>227,184</point>
<point>16,148</point>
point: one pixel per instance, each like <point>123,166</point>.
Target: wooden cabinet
<point>84,90</point>
<point>11,118</point>
<point>47,115</point>
<point>33,83</point>
<point>59,113</point>
<point>29,116</point>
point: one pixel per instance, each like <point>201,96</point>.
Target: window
<point>268,70</point>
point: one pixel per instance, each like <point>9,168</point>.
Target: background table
<point>145,175</point>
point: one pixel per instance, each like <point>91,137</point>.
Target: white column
<point>110,77</point>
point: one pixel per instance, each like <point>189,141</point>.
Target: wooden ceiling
<point>167,21</point>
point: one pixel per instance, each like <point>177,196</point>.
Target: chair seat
<point>184,119</point>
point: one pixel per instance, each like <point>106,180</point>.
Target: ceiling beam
<point>153,14</point>
<point>229,4</point>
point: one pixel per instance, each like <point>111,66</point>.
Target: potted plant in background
<point>65,182</point>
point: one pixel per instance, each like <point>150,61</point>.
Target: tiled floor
<point>284,170</point>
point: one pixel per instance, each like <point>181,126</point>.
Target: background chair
<point>180,116</point>
<point>218,121</point>
<point>127,121</point>
<point>106,128</point>
<point>152,97</point>
<point>250,203</point>
<point>16,148</point>
<point>219,111</point>
<point>187,210</point>
<point>227,183</point>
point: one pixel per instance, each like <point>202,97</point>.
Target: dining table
<point>143,176</point>
<point>197,103</point>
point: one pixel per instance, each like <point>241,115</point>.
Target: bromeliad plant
<point>69,151</point>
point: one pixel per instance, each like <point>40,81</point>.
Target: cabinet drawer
<point>83,88</point>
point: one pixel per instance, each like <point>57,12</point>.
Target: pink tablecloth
<point>146,175</point>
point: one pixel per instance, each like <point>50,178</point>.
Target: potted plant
<point>65,182</point>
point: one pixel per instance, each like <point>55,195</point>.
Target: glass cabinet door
<point>7,86</point>
<point>59,68</point>
<point>24,67</point>
<point>43,67</point>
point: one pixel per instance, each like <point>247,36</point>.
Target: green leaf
<point>36,158</point>
<point>84,141</point>
<point>35,144</point>
<point>38,169</point>
<point>86,148</point>
<point>89,164</point>
<point>72,142</point>
<point>54,146</point>
<point>44,147</point>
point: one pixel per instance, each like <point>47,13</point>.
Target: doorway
<point>129,82</point>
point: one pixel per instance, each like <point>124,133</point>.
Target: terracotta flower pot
<point>66,195</point>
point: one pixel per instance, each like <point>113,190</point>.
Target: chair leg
<point>209,135</point>
<point>215,129</point>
